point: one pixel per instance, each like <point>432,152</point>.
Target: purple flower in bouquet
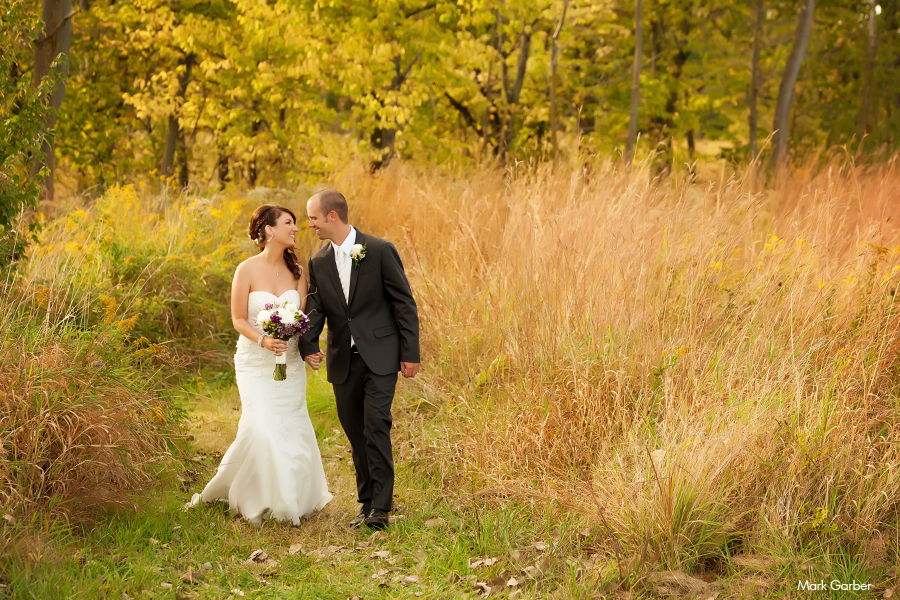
<point>282,321</point>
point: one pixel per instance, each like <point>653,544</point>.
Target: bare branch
<point>464,111</point>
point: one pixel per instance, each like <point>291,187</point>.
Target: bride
<point>273,468</point>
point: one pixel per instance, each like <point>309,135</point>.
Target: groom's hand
<point>409,369</point>
<point>314,360</point>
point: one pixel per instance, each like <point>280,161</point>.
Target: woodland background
<point>255,92</point>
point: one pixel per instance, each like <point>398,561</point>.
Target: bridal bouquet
<point>282,321</point>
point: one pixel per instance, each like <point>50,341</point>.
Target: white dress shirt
<point>344,263</point>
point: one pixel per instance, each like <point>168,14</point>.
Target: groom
<point>357,284</point>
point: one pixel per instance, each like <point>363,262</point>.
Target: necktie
<point>344,272</point>
<point>344,263</point>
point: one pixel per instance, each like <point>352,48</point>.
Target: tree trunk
<point>52,42</point>
<point>754,78</point>
<point>252,169</point>
<point>384,139</point>
<point>513,92</point>
<point>789,81</point>
<point>173,127</point>
<point>183,171</point>
<point>554,57</point>
<point>222,169</point>
<point>866,104</point>
<point>635,81</point>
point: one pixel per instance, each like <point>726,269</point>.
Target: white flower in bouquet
<point>263,317</point>
<point>282,321</point>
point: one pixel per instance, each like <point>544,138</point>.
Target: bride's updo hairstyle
<point>268,214</point>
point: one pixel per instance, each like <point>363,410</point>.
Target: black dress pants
<point>364,409</point>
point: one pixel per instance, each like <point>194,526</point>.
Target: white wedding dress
<point>273,469</point>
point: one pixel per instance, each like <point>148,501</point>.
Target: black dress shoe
<point>360,518</point>
<point>377,519</point>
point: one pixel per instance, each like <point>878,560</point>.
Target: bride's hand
<point>279,347</point>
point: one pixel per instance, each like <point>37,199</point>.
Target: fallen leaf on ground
<point>395,518</point>
<point>490,561</point>
<point>434,522</point>
<point>294,549</point>
<point>192,576</point>
<point>165,585</point>
<point>531,571</point>
<point>541,546</point>
<point>513,582</point>
<point>153,542</point>
<point>257,556</point>
<point>9,519</point>
<point>382,554</point>
<point>888,594</point>
<point>410,579</point>
<point>237,592</point>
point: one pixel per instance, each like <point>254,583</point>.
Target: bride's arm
<point>240,297</point>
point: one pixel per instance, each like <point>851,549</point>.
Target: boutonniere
<point>357,253</point>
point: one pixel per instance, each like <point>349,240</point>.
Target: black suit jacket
<point>381,315</point>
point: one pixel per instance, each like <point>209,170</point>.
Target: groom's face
<point>323,226</point>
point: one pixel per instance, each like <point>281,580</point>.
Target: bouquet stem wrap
<point>282,321</point>
<point>281,367</point>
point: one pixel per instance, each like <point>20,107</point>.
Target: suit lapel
<point>354,268</point>
<point>331,270</point>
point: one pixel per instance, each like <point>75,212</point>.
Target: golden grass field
<point>698,364</point>
<point>702,366</point>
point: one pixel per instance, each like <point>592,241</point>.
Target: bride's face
<point>283,232</point>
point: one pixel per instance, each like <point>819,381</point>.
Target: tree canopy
<point>238,90</point>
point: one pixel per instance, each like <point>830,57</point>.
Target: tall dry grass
<point>719,364</point>
<point>702,364</point>
<point>87,417</point>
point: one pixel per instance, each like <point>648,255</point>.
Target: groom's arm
<point>309,341</point>
<point>397,287</point>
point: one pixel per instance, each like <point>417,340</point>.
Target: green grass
<point>551,551</point>
<point>138,554</point>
